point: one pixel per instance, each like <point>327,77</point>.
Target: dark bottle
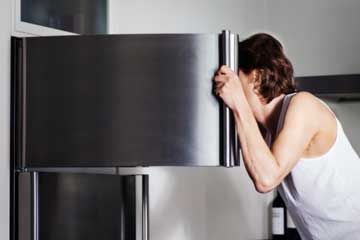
<point>278,218</point>
<point>291,232</point>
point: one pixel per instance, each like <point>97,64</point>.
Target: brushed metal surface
<point>23,227</point>
<point>226,133</point>
<point>145,208</point>
<point>230,145</point>
<point>79,206</point>
<point>35,205</point>
<point>142,207</point>
<point>122,100</point>
<point>139,208</point>
<point>86,206</point>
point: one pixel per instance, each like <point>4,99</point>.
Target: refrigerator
<point>84,106</point>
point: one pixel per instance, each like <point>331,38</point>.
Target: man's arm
<point>268,167</point>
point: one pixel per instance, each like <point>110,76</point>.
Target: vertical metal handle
<point>142,207</point>
<point>145,207</point>
<point>35,205</point>
<point>230,143</point>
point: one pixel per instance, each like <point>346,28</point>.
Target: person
<point>293,141</point>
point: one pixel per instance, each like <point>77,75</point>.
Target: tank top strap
<point>284,107</point>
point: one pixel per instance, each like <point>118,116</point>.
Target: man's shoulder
<point>304,101</point>
<point>303,105</point>
<point>303,98</point>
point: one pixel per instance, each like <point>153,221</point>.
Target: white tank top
<point>322,194</point>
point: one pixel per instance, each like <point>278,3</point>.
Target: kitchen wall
<point>5,27</point>
<point>198,203</point>
<point>186,16</point>
<point>348,113</point>
<point>320,36</point>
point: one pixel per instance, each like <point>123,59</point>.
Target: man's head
<point>264,69</point>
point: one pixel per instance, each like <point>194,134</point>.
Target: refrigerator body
<point>85,106</point>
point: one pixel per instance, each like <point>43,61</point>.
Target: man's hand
<point>228,86</point>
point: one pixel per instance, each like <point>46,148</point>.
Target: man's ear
<point>255,78</point>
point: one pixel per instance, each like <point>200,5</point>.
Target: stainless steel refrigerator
<point>84,106</point>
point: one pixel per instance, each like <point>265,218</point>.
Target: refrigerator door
<point>73,206</point>
<point>117,100</point>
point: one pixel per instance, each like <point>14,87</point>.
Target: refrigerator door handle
<point>35,205</point>
<point>145,208</point>
<point>142,207</point>
<point>230,143</point>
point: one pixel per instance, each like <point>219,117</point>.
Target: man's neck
<point>271,114</point>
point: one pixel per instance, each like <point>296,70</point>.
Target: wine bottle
<point>291,232</point>
<point>278,218</point>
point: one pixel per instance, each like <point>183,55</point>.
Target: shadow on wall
<point>348,112</point>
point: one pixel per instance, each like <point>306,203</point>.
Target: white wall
<point>198,203</point>
<point>320,36</point>
<point>5,27</point>
<point>349,116</point>
<point>199,16</point>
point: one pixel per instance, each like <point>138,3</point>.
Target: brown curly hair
<point>264,53</point>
